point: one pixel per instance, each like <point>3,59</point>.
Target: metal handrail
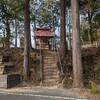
<point>41,69</point>
<point>61,66</point>
<point>58,55</point>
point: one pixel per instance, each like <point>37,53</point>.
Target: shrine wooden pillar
<point>35,46</point>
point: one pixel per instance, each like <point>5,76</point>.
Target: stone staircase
<point>50,70</point>
<point>1,64</point>
<point>7,79</point>
<point>5,65</point>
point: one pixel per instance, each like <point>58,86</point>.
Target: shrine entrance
<point>44,38</point>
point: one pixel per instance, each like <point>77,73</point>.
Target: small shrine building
<point>43,38</point>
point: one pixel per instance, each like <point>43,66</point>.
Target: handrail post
<point>60,61</point>
<point>41,70</point>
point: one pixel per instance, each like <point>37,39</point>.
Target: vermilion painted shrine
<point>44,38</point>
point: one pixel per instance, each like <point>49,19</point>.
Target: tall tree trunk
<point>69,35</point>
<point>90,36</point>
<point>30,44</point>
<point>62,29</point>
<point>76,46</point>
<point>16,33</point>
<point>7,42</point>
<point>4,38</point>
<point>26,67</point>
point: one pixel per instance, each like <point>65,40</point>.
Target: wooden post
<point>35,43</point>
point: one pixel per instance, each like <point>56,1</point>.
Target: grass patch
<point>67,81</point>
<point>95,89</point>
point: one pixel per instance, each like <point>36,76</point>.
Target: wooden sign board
<point>9,81</point>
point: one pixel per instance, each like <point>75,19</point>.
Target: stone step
<point>50,82</point>
<point>50,59</point>
<point>49,62</point>
<point>49,54</point>
<point>47,65</point>
<point>46,68</point>
<point>46,57</point>
<point>49,68</point>
<point>50,73</point>
<point>49,51</point>
<point>6,68</point>
<point>50,77</point>
<point>1,59</point>
<point>1,69</point>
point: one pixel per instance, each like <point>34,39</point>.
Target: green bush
<point>67,81</point>
<point>94,87</point>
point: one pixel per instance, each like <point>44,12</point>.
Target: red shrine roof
<point>43,32</point>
